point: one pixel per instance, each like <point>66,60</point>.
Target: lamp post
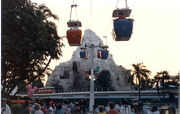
<point>92,56</point>
<point>91,99</point>
<point>91,102</point>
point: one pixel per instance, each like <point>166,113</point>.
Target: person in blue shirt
<point>142,110</point>
<point>59,109</point>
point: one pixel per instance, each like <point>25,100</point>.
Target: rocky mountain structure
<point>71,75</point>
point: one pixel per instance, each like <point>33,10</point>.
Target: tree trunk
<point>163,89</point>
<point>157,87</point>
<point>139,89</point>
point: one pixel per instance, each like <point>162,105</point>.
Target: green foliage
<point>38,83</point>
<point>29,42</point>
<point>161,77</point>
<point>141,74</point>
<point>104,81</point>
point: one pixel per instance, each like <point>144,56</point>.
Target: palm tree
<point>157,80</point>
<point>152,82</point>
<point>162,77</point>
<point>131,79</point>
<point>139,72</point>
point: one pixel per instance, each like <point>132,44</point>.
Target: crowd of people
<point>130,109</point>
<point>75,107</point>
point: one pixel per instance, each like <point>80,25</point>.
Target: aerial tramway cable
<point>116,4</point>
<point>109,23</point>
<point>126,3</point>
<point>90,26</point>
<point>76,13</point>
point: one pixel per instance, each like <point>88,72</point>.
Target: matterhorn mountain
<point>71,75</point>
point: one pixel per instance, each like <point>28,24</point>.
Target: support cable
<point>116,4</point>
<point>76,13</point>
<point>70,12</point>
<point>126,3</point>
<point>110,20</point>
<point>91,15</point>
<point>73,6</point>
<point>91,19</point>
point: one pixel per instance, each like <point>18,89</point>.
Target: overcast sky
<point>156,33</point>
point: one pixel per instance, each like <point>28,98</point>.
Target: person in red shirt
<point>112,110</point>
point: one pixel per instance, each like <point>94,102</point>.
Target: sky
<point>156,35</point>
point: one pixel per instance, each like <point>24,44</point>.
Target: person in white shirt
<point>5,109</point>
<point>49,109</point>
<point>38,110</point>
<point>106,108</point>
<point>121,108</point>
<point>127,109</point>
<point>117,107</point>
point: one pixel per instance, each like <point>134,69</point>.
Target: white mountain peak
<point>67,78</point>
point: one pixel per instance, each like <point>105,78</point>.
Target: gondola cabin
<point>74,34</point>
<point>98,54</point>
<point>82,54</point>
<point>122,29</point>
<point>123,26</point>
<point>104,54</point>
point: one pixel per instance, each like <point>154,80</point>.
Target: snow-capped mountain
<point>71,74</point>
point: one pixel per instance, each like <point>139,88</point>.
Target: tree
<point>104,81</point>
<point>145,83</point>
<point>29,42</point>
<point>151,83</point>
<point>140,72</point>
<point>173,83</point>
<point>131,79</point>
<point>157,80</point>
<point>38,83</point>
<point>161,77</point>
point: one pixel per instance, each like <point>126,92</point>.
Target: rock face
<point>71,74</point>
